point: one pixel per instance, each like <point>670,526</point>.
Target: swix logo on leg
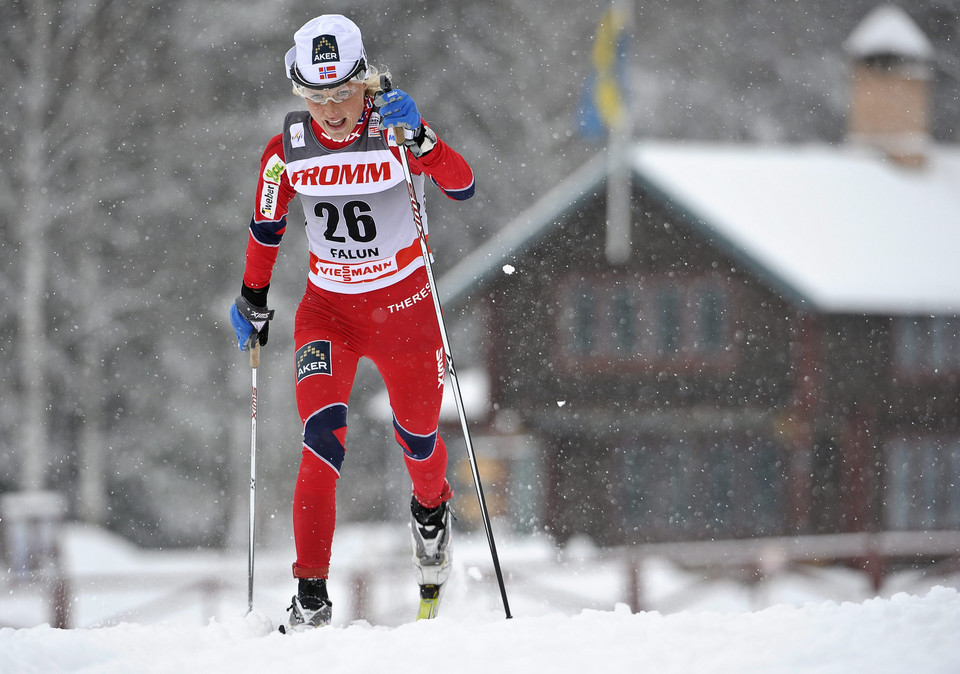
<point>313,358</point>
<point>440,368</point>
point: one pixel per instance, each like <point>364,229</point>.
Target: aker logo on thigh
<point>313,358</point>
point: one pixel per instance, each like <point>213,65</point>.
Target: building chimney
<point>890,86</point>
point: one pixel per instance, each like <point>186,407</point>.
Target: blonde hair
<point>371,85</point>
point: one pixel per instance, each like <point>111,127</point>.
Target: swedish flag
<point>602,105</point>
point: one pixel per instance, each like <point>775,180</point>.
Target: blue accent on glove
<point>251,317</point>
<point>398,109</point>
<point>246,333</point>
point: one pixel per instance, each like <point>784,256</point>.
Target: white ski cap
<point>327,51</point>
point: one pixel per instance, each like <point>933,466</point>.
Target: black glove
<point>251,317</point>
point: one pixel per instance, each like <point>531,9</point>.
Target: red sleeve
<point>269,220</point>
<point>448,169</point>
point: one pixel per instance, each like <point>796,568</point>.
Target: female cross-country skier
<point>367,293</point>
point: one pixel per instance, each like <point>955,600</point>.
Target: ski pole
<point>254,364</point>
<point>386,86</point>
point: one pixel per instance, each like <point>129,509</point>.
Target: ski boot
<point>431,553</point>
<point>310,607</point>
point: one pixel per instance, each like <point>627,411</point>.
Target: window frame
<point>579,293</point>
<point>925,347</point>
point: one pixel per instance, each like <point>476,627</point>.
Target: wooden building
<point>769,344</point>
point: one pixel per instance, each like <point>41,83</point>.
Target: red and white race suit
<point>367,295</point>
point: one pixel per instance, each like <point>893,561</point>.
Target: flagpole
<point>618,243</point>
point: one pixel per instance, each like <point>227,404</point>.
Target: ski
<point>429,601</point>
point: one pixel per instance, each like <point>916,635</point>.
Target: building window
<point>668,321</point>
<point>711,320</point>
<point>623,321</point>
<point>718,486</point>
<point>584,322</point>
<point>609,322</point>
<point>922,488</point>
<point>927,345</point>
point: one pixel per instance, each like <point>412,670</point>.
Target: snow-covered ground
<point>143,611</point>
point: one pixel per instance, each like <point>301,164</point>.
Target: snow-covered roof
<point>839,229</point>
<point>889,30</point>
<point>487,259</point>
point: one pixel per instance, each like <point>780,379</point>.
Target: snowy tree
<point>91,202</point>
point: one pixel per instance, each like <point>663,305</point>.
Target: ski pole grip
<point>255,355</point>
<point>398,133</point>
